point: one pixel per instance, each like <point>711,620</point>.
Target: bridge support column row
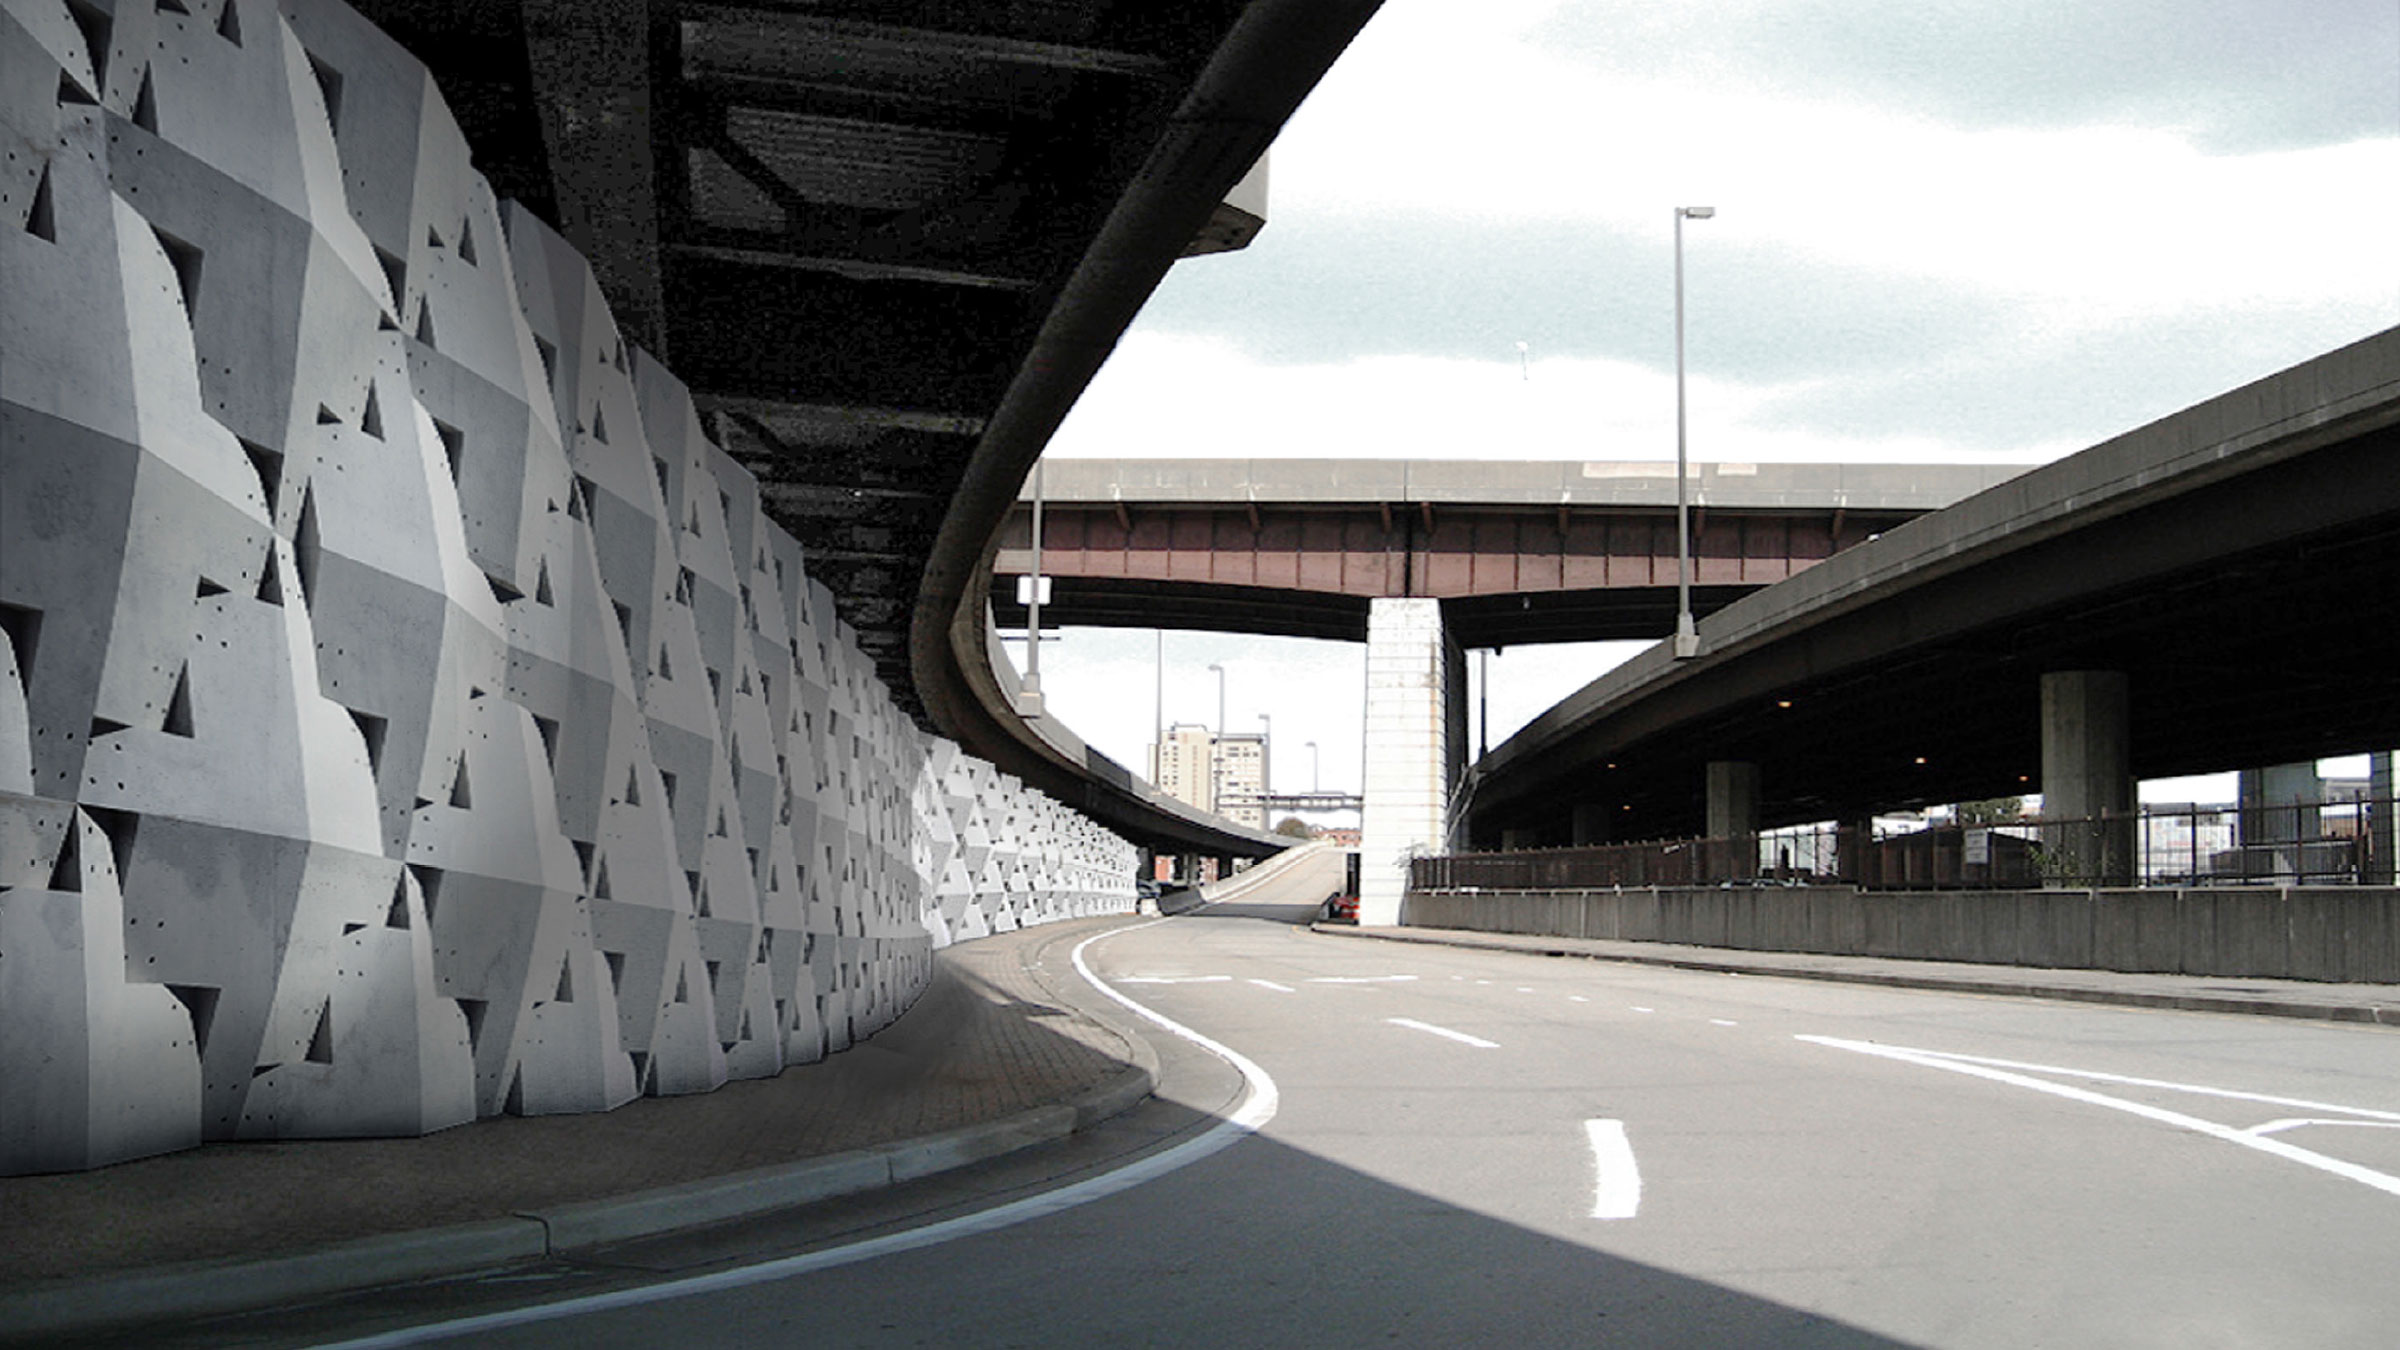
<point>1416,732</point>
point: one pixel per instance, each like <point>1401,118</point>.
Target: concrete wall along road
<point>407,714</point>
<point>2341,934</point>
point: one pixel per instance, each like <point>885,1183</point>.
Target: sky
<point>1946,231</point>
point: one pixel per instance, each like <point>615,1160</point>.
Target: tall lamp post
<point>1030,688</point>
<point>1266,764</point>
<point>1312,767</point>
<point>1687,637</point>
<point>1216,743</point>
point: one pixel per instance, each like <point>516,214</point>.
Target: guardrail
<point>2330,843</point>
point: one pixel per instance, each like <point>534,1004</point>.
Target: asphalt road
<point>1471,1148</point>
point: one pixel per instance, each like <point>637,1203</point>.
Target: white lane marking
<point>1577,998</point>
<point>1459,1036</point>
<point>1259,1104</point>
<point>1721,1022</point>
<point>1360,979</point>
<point>1642,1009</point>
<point>1975,1067</point>
<point>2278,1126</point>
<point>1278,988</point>
<point>1617,1179</point>
<point>1173,979</point>
<point>1524,988</point>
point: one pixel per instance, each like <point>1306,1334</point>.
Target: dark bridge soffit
<point>2241,559</point>
<point>884,244</point>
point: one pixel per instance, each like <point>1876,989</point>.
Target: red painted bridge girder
<point>1421,550</point>
<point>1133,564</point>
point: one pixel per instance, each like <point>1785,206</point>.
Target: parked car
<point>1147,889</point>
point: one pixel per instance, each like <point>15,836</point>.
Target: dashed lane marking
<point>1616,1178</point>
<point>1446,1033</point>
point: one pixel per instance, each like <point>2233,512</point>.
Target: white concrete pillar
<point>1416,743</point>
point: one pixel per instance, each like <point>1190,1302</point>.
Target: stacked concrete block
<point>407,714</point>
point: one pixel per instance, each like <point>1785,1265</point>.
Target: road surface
<point>1474,1148</point>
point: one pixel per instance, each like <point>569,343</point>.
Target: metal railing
<point>2330,843</point>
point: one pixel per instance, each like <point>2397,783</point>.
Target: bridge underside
<point>841,225</point>
<point>1511,620</point>
<point>2248,639</point>
<point>1505,576</point>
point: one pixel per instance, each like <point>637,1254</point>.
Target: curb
<point>2369,1014</point>
<point>125,1300</point>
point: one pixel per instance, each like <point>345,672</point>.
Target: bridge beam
<point>1416,732</point>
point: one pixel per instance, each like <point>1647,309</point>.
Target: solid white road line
<point>1617,1184</point>
<point>1278,988</point>
<point>2278,1126</point>
<point>1258,1107</point>
<point>1459,1036</point>
<point>1979,1068</point>
<point>1359,979</point>
<point>2194,1088</point>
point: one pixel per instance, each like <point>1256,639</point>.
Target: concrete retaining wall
<point>2346,934</point>
<point>407,714</point>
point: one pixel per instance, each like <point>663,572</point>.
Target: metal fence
<point>2333,843</point>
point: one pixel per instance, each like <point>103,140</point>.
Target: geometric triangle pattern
<point>407,712</point>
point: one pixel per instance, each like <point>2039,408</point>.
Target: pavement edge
<point>125,1300</point>
<point>2374,1015</point>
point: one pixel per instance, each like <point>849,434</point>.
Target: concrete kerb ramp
<point>1305,875</point>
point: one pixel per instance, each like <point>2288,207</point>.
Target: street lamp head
<point>1696,212</point>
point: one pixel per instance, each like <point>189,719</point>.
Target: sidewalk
<point>989,1059</point>
<point>2372,1003</point>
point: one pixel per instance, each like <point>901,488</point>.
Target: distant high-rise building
<point>1202,770</point>
<point>1242,772</point>
<point>1182,767</point>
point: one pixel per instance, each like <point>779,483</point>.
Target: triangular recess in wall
<point>42,221</point>
<point>179,705</point>
<point>320,1042</point>
<point>145,106</point>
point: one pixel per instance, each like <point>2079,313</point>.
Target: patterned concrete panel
<point>407,713</point>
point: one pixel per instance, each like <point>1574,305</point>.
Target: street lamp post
<point>1266,764</point>
<point>1216,743</point>
<point>1031,687</point>
<point>1687,637</point>
<point>1312,767</point>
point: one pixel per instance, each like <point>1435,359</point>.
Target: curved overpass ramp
<point>2238,561</point>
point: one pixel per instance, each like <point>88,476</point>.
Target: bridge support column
<point>2381,845</point>
<point>1733,816</point>
<point>2278,820</point>
<point>1416,746</point>
<point>1591,823</point>
<point>2087,777</point>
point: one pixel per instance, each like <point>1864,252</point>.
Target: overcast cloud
<point>1948,230</point>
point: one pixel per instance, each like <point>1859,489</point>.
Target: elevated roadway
<point>2238,563</point>
<point>1517,552</point>
<point>887,246</point>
